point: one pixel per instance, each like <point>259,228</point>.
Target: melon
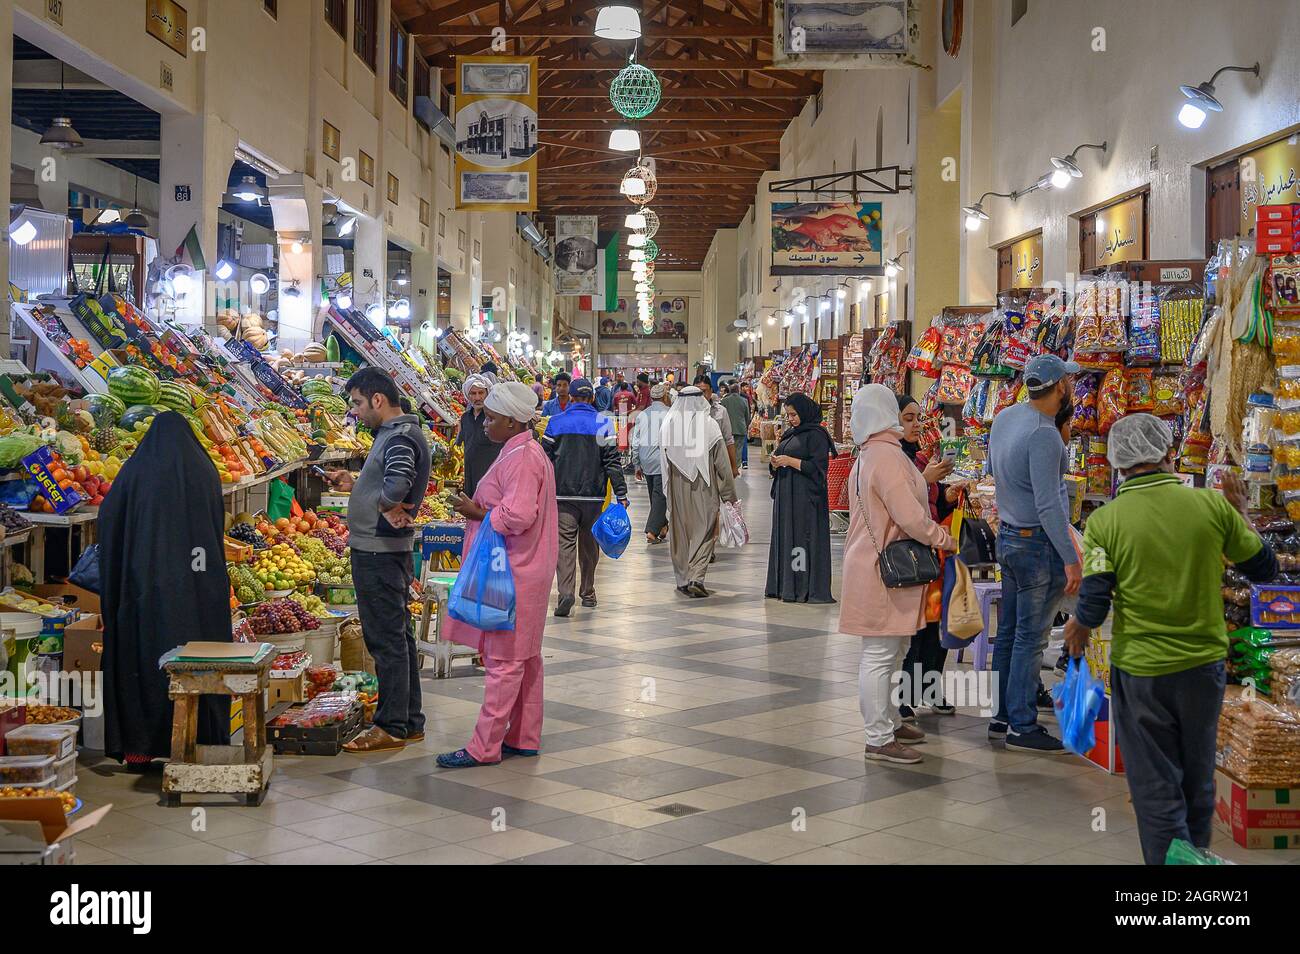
<point>133,385</point>
<point>106,409</point>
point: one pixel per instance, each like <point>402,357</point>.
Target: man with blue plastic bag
<point>583,446</point>
<point>1157,552</point>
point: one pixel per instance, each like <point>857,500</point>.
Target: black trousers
<point>924,655</point>
<point>1165,727</point>
<point>657,518</point>
<point>383,584</point>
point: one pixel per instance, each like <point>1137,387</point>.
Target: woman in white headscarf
<point>888,501</point>
<point>699,477</point>
<point>518,492</point>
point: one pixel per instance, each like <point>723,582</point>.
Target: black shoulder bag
<point>904,562</point>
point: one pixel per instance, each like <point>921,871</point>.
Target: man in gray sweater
<point>384,499</point>
<point>1035,549</point>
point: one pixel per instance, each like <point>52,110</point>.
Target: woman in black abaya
<point>163,583</point>
<point>799,558</point>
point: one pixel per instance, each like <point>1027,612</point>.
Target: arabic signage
<point>496,133</point>
<point>1121,231</point>
<point>1027,262</point>
<point>576,265</point>
<point>826,238</point>
<point>167,21</point>
<point>1268,177</point>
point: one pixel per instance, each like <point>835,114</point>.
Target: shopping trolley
<point>837,493</point>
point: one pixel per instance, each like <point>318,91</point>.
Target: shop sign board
<point>826,238</point>
<point>1120,231</point>
<point>496,133</point>
<point>576,265</point>
<point>167,22</point>
<point>331,140</point>
<point>1027,262</point>
<point>1268,177</point>
<point>846,34</point>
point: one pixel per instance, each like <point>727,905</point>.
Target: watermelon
<point>139,412</point>
<point>174,396</point>
<point>106,409</point>
<point>133,385</point>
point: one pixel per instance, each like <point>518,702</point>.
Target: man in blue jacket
<point>561,400</point>
<point>583,446</point>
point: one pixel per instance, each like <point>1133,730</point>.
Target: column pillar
<point>369,263</point>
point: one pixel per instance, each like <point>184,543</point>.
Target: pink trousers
<point>512,708</point>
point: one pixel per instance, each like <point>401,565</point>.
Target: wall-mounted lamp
<point>1065,169</point>
<point>895,264</point>
<point>1201,98</point>
<point>975,214</point>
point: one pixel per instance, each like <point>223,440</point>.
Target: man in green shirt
<point>1156,551</point>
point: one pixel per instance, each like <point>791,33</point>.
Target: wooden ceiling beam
<point>670,92</point>
<point>570,63</point>
<point>562,31</point>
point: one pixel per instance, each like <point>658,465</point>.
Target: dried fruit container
<point>25,769</point>
<point>65,772</point>
<point>58,741</point>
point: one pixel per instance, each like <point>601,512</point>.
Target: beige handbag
<point>964,618</point>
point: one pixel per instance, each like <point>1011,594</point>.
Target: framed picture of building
<point>496,133</point>
<point>392,192</point>
<point>424,212</point>
<point>330,140</point>
<point>365,167</point>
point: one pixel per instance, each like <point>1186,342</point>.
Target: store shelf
<point>84,378</point>
<point>248,483</point>
<point>88,515</point>
<point>15,539</point>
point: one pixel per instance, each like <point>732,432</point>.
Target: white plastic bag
<point>732,531</point>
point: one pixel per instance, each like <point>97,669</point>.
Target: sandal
<point>373,739</point>
<point>511,750</point>
<point>459,759</point>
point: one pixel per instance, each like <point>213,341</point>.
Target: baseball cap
<point>579,387</point>
<point>1044,370</point>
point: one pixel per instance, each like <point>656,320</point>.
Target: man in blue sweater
<point>1035,549</point>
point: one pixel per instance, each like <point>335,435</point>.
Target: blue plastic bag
<point>1078,699</point>
<point>86,573</point>
<point>483,595</point>
<point>613,530</point>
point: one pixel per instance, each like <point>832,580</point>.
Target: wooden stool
<point>243,770</point>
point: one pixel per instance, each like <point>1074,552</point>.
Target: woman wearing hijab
<point>887,502</point>
<point>799,557</point>
<point>163,583</point>
<point>925,654</point>
<point>699,476</point>
<point>518,492</point>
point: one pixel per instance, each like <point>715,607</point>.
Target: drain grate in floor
<point>676,809</point>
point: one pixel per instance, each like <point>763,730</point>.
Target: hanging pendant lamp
<point>135,219</point>
<point>60,134</point>
<point>635,91</point>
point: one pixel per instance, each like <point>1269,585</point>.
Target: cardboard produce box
<point>66,594</point>
<point>83,644</point>
<point>35,831</point>
<point>1256,817</point>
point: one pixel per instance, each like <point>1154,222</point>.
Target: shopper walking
<point>647,458</point>
<point>719,415</point>
<point>624,401</point>
<point>583,447</point>
<point>155,591</point>
<point>700,476</point>
<point>887,502</point>
<point>643,396</point>
<point>384,499</point>
<point>1156,552</point>
<point>926,656</point>
<point>799,556</point>
<point>518,496</point>
<point>1035,550</point>
<point>479,451</point>
<point>738,412</point>
<point>560,400</point>
<point>604,396</point>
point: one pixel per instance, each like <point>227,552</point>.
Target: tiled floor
<point>738,712</point>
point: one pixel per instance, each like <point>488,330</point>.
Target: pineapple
<point>104,439</point>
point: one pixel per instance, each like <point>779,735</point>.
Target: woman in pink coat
<point>886,491</point>
<point>519,492</point>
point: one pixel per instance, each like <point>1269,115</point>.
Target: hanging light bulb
<point>635,220</point>
<point>60,134</point>
<point>296,248</point>
<point>637,240</point>
<point>625,140</point>
<point>636,255</point>
<point>344,301</point>
<point>248,190</point>
<point>223,270</point>
<point>618,22</point>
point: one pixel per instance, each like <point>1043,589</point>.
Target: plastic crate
<point>321,740</point>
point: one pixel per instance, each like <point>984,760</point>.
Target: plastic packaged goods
<point>25,769</point>
<point>955,384</point>
<point>1085,404</point>
<point>56,741</point>
<point>1258,743</point>
<point>1283,282</point>
<point>1180,320</point>
<point>1165,394</point>
<point>1144,330</point>
<point>1112,400</point>
<point>1141,394</point>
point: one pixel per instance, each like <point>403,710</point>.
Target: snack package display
<point>1112,400</point>
<point>1141,394</point>
<point>923,357</point>
<point>1283,288</point>
<point>1099,360</point>
<point>1005,395</point>
<point>955,384</point>
<point>1180,320</point>
<point>1144,330</point>
<point>1085,404</point>
<point>1098,306</point>
<point>1166,398</point>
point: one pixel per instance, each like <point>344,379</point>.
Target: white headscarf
<point>475,381</point>
<point>875,409</point>
<point>513,400</point>
<point>688,434</point>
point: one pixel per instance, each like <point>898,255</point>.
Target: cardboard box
<point>65,593</point>
<point>1279,245</point>
<point>1277,213</point>
<point>35,831</point>
<point>1256,817</point>
<point>83,645</point>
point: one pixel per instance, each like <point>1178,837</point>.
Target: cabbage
<point>14,447</point>
<point>68,445</point>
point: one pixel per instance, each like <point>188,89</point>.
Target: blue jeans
<point>742,449</point>
<point>1033,581</point>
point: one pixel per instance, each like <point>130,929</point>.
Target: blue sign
<point>441,538</point>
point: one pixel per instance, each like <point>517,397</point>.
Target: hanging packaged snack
<point>1165,394</point>
<point>922,358</point>
<point>974,335</point>
<point>1286,342</point>
<point>1098,307</point>
<point>1284,284</point>
<point>955,383</point>
<point>1100,360</point>
<point>1112,400</point>
<point>1085,404</point>
<point>1180,320</point>
<point>1144,330</point>
<point>1141,392</point>
<point>1005,394</point>
<point>952,343</point>
<point>1098,468</point>
<point>1257,428</point>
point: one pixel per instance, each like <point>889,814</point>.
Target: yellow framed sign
<point>496,133</point>
<point>1121,231</point>
<point>168,22</point>
<point>1269,177</point>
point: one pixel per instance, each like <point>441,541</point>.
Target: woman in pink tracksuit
<point>519,492</point>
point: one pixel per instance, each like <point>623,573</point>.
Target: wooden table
<point>243,770</point>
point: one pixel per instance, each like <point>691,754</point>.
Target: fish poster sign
<point>828,238</point>
<point>496,133</point>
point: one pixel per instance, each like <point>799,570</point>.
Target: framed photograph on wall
<point>392,188</point>
<point>365,167</point>
<point>331,140</point>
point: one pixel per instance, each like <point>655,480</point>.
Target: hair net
<point>1138,439</point>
